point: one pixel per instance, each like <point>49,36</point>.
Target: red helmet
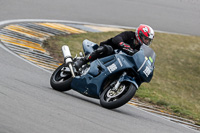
<point>144,34</point>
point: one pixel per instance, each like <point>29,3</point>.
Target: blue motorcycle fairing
<point>144,61</point>
<point>90,83</point>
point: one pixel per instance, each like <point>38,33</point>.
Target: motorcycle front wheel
<point>61,79</point>
<point>111,99</point>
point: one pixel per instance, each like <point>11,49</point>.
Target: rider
<point>127,41</point>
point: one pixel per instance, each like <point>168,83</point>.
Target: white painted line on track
<point>164,118</point>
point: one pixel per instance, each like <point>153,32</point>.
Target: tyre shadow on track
<point>124,112</point>
<point>125,109</point>
<point>82,97</point>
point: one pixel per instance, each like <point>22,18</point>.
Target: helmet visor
<point>146,40</point>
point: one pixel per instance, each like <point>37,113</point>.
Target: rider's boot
<point>79,62</point>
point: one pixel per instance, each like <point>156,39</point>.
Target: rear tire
<point>60,79</point>
<point>127,93</point>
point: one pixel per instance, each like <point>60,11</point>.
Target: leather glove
<point>126,48</point>
<point>128,51</point>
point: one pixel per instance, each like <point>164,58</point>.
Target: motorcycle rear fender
<point>129,79</point>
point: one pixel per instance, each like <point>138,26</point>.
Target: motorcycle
<point>113,79</point>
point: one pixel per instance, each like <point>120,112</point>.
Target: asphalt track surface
<point>180,16</point>
<point>27,102</point>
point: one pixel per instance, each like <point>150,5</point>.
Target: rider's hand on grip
<point>126,48</point>
<point>129,51</point>
<point>124,45</point>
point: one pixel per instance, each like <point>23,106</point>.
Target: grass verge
<point>176,83</point>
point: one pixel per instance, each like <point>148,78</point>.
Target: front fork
<point>124,77</point>
<point>118,82</point>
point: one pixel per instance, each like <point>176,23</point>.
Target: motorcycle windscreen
<point>144,62</point>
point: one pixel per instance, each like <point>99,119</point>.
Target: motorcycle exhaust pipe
<point>68,58</point>
<point>67,54</point>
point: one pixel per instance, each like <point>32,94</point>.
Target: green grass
<point>176,82</point>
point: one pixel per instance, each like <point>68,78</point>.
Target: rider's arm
<point>120,39</point>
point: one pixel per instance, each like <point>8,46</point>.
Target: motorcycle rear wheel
<point>110,102</point>
<point>60,79</point>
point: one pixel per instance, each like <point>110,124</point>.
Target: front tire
<point>61,79</point>
<point>111,100</point>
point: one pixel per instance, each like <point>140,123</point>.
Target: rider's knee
<point>108,49</point>
<point>105,50</point>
